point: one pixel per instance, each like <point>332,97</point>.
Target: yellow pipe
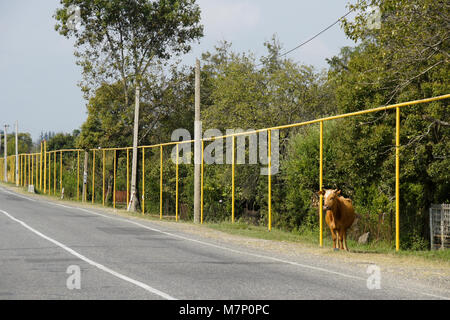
<point>201,184</point>
<point>26,170</point>
<point>86,189</point>
<point>176,188</point>
<point>60,172</point>
<point>49,172</point>
<point>232,179</point>
<point>54,173</point>
<point>23,169</point>
<point>78,175</point>
<point>21,165</point>
<point>93,176</point>
<point>161,182</point>
<point>351,114</point>
<point>40,168</point>
<point>114,191</point>
<point>321,185</point>
<point>397,180</point>
<point>103,179</point>
<point>32,169</point>
<point>143,180</point>
<point>269,197</point>
<point>36,170</point>
<point>20,169</point>
<point>24,179</point>
<point>16,177</point>
<point>45,166</point>
<point>128,178</point>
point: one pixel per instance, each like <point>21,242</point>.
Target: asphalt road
<point>129,258</point>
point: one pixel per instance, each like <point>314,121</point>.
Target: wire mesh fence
<point>440,226</point>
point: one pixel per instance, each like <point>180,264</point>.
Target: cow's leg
<point>344,235</point>
<point>341,239</point>
<point>333,236</point>
<point>337,239</point>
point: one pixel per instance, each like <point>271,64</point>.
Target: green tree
<point>63,141</point>
<point>25,143</point>
<point>406,58</point>
<point>119,40</point>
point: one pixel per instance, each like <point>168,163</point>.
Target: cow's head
<point>330,198</point>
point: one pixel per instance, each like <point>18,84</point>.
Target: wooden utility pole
<point>134,200</point>
<point>197,145</point>
<point>85,173</point>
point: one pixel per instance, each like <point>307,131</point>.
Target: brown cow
<point>340,216</point>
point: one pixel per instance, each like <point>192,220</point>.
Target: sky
<point>38,74</point>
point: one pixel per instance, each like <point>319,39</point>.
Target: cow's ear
<point>321,192</point>
<point>338,192</point>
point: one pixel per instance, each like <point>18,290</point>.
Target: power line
<point>314,36</point>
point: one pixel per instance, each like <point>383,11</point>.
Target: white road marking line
<point>233,250</point>
<point>18,195</point>
<point>91,262</point>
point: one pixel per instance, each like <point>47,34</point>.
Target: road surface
<point>130,258</point>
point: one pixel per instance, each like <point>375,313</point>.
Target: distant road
<point>129,258</point>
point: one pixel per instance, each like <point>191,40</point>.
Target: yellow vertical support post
<point>397,180</point>
<point>103,179</point>
<point>143,180</point>
<point>321,185</point>
<point>45,166</point>
<point>32,169</point>
<point>78,175</point>
<point>60,172</point>
<point>176,187</point>
<point>40,168</point>
<point>54,173</point>
<point>28,168</point>
<point>160,181</point>
<point>93,176</point>
<point>232,178</point>
<point>25,177</point>
<point>49,172</point>
<point>37,171</point>
<point>269,163</point>
<point>201,183</point>
<point>128,177</point>
<point>20,169</point>
<point>114,191</point>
